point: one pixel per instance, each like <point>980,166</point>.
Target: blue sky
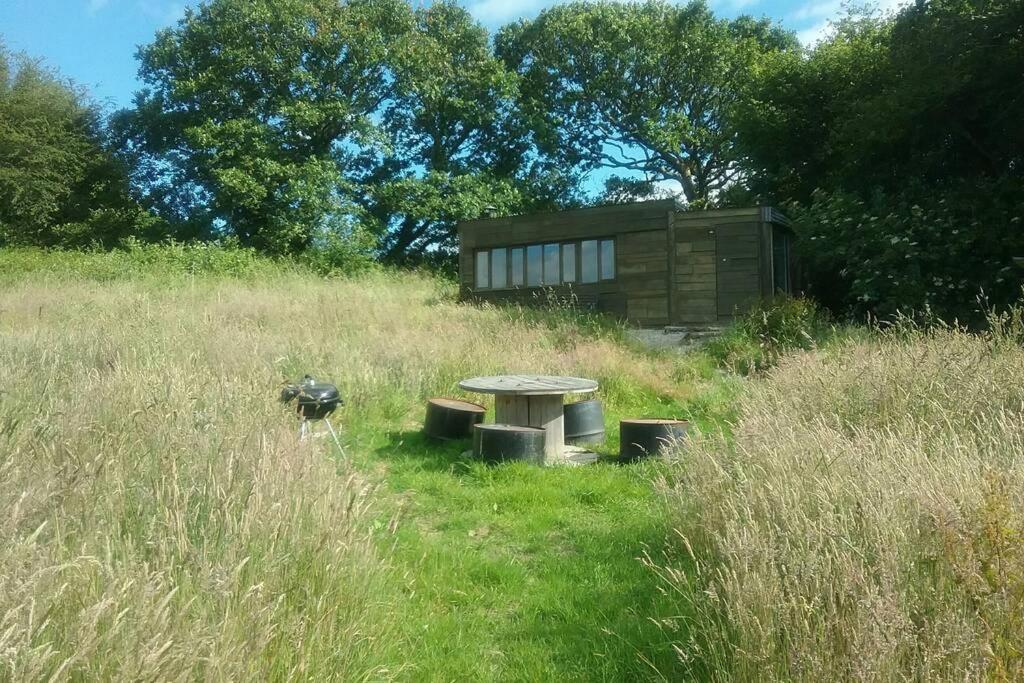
<point>94,41</point>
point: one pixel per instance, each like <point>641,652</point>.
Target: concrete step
<point>694,333</point>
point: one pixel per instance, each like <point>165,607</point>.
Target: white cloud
<point>669,188</point>
<point>733,5</point>
<point>96,5</point>
<point>814,33</point>
<point>892,5</point>
<point>818,10</point>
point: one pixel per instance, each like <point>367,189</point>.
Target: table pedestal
<point>544,412</point>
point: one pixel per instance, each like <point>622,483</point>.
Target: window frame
<point>577,249</point>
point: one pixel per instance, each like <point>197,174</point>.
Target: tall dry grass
<point>161,520</point>
<point>866,522</point>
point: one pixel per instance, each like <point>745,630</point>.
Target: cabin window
<point>534,265</point>
<point>552,274</point>
<point>780,261</point>
<point>482,270</point>
<point>517,267</point>
<point>588,261</point>
<point>499,268</point>
<point>607,260</point>
<point>537,265</point>
<point>568,263</point>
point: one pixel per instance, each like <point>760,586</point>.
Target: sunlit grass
<point>164,522</point>
<point>865,520</point>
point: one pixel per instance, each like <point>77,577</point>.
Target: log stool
<point>448,418</point>
<point>499,443</point>
<point>648,437</point>
<point>584,422</point>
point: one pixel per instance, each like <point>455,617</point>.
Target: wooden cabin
<point>647,262</point>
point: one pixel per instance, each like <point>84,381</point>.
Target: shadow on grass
<point>435,455</point>
<point>412,447</point>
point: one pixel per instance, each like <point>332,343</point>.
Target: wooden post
<point>510,409</point>
<point>670,292</point>
<point>546,413</point>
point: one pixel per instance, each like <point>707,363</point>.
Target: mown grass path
<point>519,572</point>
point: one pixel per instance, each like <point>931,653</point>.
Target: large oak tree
<point>640,88</point>
<point>254,109</point>
<point>443,124</point>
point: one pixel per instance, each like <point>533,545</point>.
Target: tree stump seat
<point>449,419</point>
<point>584,422</point>
<point>647,437</point>
<point>495,443</point>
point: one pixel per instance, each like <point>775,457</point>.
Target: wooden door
<point>738,273</point>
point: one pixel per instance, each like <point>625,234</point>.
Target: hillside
<point>166,522</point>
<point>854,512</point>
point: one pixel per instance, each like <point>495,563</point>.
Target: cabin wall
<point>640,289</point>
<point>718,264</point>
<point>672,267</point>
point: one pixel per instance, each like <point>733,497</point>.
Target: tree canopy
<point>60,184</point>
<point>896,143</point>
<point>254,107</point>
<point>374,126</point>
<point>641,88</point>
<point>442,125</point>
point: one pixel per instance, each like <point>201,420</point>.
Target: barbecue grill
<point>313,401</point>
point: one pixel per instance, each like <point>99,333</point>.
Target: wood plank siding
<point>670,266</point>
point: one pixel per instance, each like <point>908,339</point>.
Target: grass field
<point>865,519</point>
<point>854,510</point>
<point>166,523</point>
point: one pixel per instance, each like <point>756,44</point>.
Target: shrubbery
<point>895,145</point>
<point>771,328</point>
<point>134,258</point>
<point>934,251</point>
<point>61,184</point>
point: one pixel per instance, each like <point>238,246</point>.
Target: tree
<point>642,88</point>
<point>255,109</point>
<point>60,185</point>
<point>896,145</point>
<point>443,161</point>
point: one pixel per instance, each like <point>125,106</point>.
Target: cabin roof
<point>767,214</point>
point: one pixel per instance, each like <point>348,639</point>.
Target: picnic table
<point>532,401</point>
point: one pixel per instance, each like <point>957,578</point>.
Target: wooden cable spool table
<point>532,401</point>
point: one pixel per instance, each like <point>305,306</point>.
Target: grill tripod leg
<point>335,436</point>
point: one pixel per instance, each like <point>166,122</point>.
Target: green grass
<point>158,489</point>
<point>516,572</point>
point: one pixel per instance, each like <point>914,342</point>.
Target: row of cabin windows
<point>538,265</point>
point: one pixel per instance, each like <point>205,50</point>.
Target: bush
<point>770,329</point>
<point>340,254</point>
<point>138,259</point>
<point>933,249</point>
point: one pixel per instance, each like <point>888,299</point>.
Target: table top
<point>528,385</point>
